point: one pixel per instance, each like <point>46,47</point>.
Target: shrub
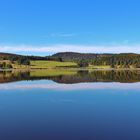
<point>83,63</point>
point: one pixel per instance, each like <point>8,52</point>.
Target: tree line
<point>114,60</point>
<point>121,60</point>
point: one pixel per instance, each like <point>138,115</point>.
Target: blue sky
<point>48,26</point>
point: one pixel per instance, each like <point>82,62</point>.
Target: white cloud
<point>50,49</point>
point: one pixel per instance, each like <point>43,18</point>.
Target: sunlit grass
<point>51,64</point>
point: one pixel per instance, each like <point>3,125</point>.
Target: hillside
<point>123,60</point>
<point>68,56</point>
<point>7,54</point>
<point>76,56</point>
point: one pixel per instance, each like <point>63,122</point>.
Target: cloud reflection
<point>69,87</point>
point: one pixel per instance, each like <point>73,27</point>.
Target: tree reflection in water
<point>123,76</point>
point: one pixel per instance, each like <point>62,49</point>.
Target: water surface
<point>100,105</point>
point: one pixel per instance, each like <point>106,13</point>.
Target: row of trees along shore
<point>118,60</point>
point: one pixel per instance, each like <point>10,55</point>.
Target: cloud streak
<point>50,49</point>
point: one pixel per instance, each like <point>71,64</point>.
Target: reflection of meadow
<point>51,72</point>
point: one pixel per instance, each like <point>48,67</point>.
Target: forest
<point>124,60</point>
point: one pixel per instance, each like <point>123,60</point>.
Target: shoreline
<point>76,69</point>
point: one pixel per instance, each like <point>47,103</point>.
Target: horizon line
<point>8,53</point>
<point>43,50</point>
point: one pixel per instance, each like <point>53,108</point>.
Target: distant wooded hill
<point>115,60</point>
<point>72,56</point>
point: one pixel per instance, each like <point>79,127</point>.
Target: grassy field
<point>55,64</point>
<point>44,64</point>
<point>51,64</point>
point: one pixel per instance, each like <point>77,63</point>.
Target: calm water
<point>99,105</point>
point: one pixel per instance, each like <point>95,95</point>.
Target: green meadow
<point>43,64</point>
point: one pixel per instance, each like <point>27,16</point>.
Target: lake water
<point>83,105</point>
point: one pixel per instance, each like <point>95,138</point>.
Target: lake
<point>70,105</point>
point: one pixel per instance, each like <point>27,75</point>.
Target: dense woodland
<point>120,60</point>
<point>114,60</point>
